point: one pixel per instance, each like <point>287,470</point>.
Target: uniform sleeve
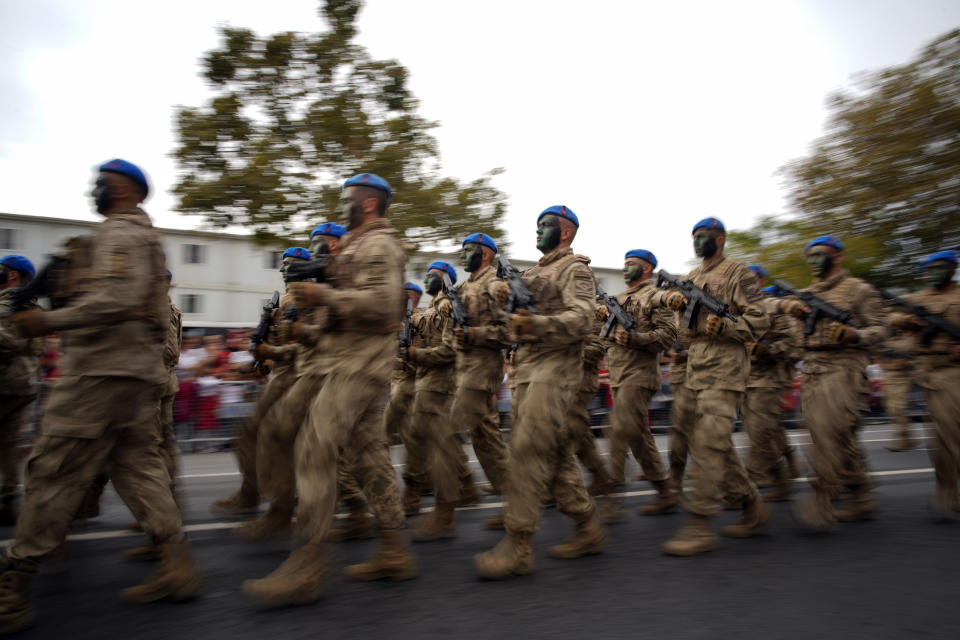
<point>876,323</point>
<point>440,354</point>
<point>754,321</point>
<point>783,337</point>
<point>121,271</point>
<point>664,323</point>
<point>577,291</point>
<point>375,300</point>
<point>11,341</point>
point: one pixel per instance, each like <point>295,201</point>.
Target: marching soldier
<point>897,367</point>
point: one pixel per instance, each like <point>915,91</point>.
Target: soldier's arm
<point>11,341</point>
<point>577,291</point>
<point>375,300</point>
<point>876,323</point>
<point>754,321</point>
<point>664,333</point>
<point>496,335</point>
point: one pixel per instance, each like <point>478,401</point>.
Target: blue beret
<point>297,252</point>
<point>328,229</point>
<point>18,263</point>
<point>444,266</point>
<point>759,269</point>
<point>128,169</point>
<point>709,223</point>
<point>563,212</point>
<point>411,286</point>
<point>369,180</point>
<point>482,239</point>
<point>643,254</point>
<point>773,290</point>
<point>826,241</point>
<point>949,256</point>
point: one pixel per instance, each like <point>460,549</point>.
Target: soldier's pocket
<point>48,456</point>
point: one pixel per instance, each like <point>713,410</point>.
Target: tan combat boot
<point>393,559</point>
<point>612,509</point>
<point>411,498</point>
<point>599,486</point>
<point>176,578</point>
<point>755,516</point>
<point>277,521</point>
<point>945,503</point>
<point>358,525</point>
<point>513,556</point>
<point>16,598</point>
<point>665,502</point>
<point>468,492</point>
<point>301,579</point>
<point>589,538</point>
<point>243,503</point>
<point>780,489</point>
<point>815,512</point>
<point>438,525</point>
<point>693,538</point>
<point>146,553</point>
<point>860,508</point>
<point>495,523</point>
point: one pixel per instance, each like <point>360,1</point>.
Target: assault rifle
<point>819,308</point>
<point>520,295</point>
<point>406,337</point>
<point>39,286</point>
<point>932,323</point>
<point>617,314</point>
<point>697,299</point>
<point>307,270</point>
<point>259,335</point>
<point>458,313</point>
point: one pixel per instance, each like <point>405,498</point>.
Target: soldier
<point>549,366</point>
<point>433,434</point>
<point>247,498</point>
<point>683,416</point>
<point>112,340</point>
<point>939,365</point>
<point>19,367</point>
<point>634,360</point>
<point>897,367</point>
<point>717,369</point>
<point>834,379</point>
<point>773,359</point>
<point>361,299</point>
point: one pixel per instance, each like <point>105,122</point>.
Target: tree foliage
<point>885,177</point>
<point>295,114</point>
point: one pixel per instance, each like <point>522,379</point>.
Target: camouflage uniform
<point>85,428</point>
<point>584,443</point>
<point>480,374</point>
<point>771,375</point>
<point>940,378</point>
<point>897,381</point>
<point>171,355</point>
<point>397,418</point>
<point>683,416</point>
<point>834,381</point>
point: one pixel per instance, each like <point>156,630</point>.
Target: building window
<point>273,260</point>
<point>8,238</point>
<point>191,303</point>
<point>194,253</point>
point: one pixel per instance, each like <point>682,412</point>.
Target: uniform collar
<point>637,287</point>
<point>831,282</point>
<point>355,234</point>
<point>136,216</point>
<point>554,255</point>
<point>713,266</point>
<point>476,275</point>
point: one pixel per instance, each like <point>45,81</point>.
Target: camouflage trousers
<point>896,394</point>
<point>578,422</point>
<point>541,458</point>
<point>768,439</point>
<point>683,416</point>
<point>717,470</point>
<point>94,424</point>
<point>630,431</point>
<point>438,442</point>
<point>943,402</point>
<point>476,409</point>
<point>168,442</point>
<point>346,414</point>
<point>398,418</point>
<point>831,403</point>
<point>13,409</point>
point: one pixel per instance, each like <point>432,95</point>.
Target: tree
<point>885,177</point>
<point>295,114</point>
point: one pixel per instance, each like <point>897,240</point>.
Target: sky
<point>642,117</point>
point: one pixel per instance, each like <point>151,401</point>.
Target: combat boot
<point>860,508</point>
<point>275,522</point>
<point>495,523</point>
<point>301,579</point>
<point>693,538</point>
<point>665,501</point>
<point>393,559</point>
<point>358,525</point>
<point>589,538</point>
<point>243,503</point>
<point>411,498</point>
<point>16,598</point>
<point>612,510</point>
<point>755,516</point>
<point>146,553</point>
<point>9,510</point>
<point>438,525</point>
<point>945,504</point>
<point>780,489</point>
<point>489,489</point>
<point>468,492</point>
<point>815,512</point>
<point>793,469</point>
<point>599,486</point>
<point>176,578</point>
<point>902,443</point>
<point>513,556</point>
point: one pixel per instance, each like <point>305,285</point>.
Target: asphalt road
<point>892,577</point>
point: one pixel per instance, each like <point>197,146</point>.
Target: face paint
<point>102,195</point>
<point>350,210</point>
<point>285,264</point>
<point>704,244</point>
<point>470,257</point>
<point>432,284</point>
<point>548,233</point>
<point>3,276</point>
<point>820,261</point>
<point>632,269</point>
<point>940,273</point>
<point>319,244</point>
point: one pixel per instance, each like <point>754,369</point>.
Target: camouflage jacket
<point>115,324</point>
<point>776,368</point>
<point>433,355</point>
<point>947,305</point>
<point>171,348</point>
<point>639,364</point>
<point>480,364</point>
<point>564,290</point>
<point>19,356</point>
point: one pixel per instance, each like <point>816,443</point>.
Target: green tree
<point>295,114</point>
<point>885,177</point>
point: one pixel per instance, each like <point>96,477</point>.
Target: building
<point>220,280</point>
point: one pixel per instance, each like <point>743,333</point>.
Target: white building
<point>219,279</point>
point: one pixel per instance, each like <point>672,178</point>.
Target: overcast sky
<point>643,117</point>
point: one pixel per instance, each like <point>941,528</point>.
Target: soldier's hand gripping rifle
<point>39,286</point>
<point>819,308</point>
<point>308,270</point>
<point>520,295</point>
<point>932,323</point>
<point>259,335</point>
<point>697,299</point>
<point>407,336</point>
<point>616,315</point>
<point>458,313</point>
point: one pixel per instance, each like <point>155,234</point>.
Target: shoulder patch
<point>584,285</point>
